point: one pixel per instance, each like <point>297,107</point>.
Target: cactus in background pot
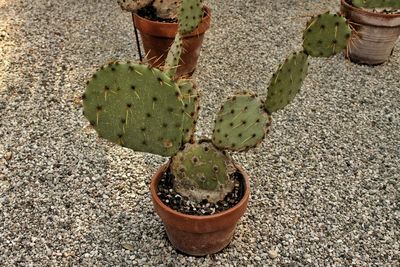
<point>395,4</point>
<point>377,27</point>
<point>167,9</point>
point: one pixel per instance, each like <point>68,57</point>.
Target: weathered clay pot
<point>199,235</point>
<point>157,38</point>
<point>377,34</point>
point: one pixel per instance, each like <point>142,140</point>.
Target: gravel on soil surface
<point>325,182</point>
<point>178,202</point>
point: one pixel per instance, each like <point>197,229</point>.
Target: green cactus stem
<point>174,56</point>
<point>190,15</point>
<point>202,172</point>
<point>136,106</point>
<point>240,123</point>
<point>326,35</point>
<point>190,97</point>
<point>286,82</point>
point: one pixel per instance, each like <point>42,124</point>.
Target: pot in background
<point>157,38</point>
<point>376,35</point>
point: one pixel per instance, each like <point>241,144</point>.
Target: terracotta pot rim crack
<point>242,201</point>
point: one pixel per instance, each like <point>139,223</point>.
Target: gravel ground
<point>325,183</point>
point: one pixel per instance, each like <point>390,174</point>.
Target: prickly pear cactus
<point>190,15</point>
<point>240,123</point>
<point>167,9</point>
<point>174,56</point>
<point>376,3</point>
<point>136,106</point>
<point>202,172</point>
<point>190,97</point>
<point>133,5</point>
<point>286,82</point>
<point>326,35</point>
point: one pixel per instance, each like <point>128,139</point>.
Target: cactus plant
<point>129,103</point>
<point>147,109</point>
<point>286,80</point>
<point>190,98</point>
<point>202,172</point>
<point>150,110</point>
<point>189,15</point>
<point>240,123</point>
<point>326,35</point>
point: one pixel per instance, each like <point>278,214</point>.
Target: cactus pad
<point>190,15</point>
<point>286,82</point>
<point>136,106</point>
<point>376,3</point>
<point>174,56</point>
<point>240,123</point>
<point>326,35</point>
<point>166,9</point>
<point>133,5</point>
<point>190,97</point>
<point>202,172</point>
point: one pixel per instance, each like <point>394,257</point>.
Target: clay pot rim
<point>243,201</point>
<point>372,14</point>
<point>202,28</point>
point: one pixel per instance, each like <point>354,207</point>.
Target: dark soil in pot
<point>149,12</point>
<point>182,204</point>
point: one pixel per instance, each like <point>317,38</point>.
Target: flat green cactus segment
<point>286,82</point>
<point>174,56</point>
<point>133,5</point>
<point>326,35</point>
<point>190,15</point>
<point>190,98</point>
<point>240,123</point>
<point>136,106</point>
<point>376,3</point>
<point>167,9</point>
<point>202,172</point>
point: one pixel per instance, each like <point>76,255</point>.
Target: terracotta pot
<point>157,38</point>
<point>377,34</point>
<point>199,235</point>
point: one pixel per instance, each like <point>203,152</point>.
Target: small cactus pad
<point>190,15</point>
<point>376,3</point>
<point>202,172</point>
<point>166,9</point>
<point>240,123</point>
<point>136,106</point>
<point>133,5</point>
<point>190,97</point>
<point>326,35</point>
<point>286,82</point>
<point>174,56</point>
